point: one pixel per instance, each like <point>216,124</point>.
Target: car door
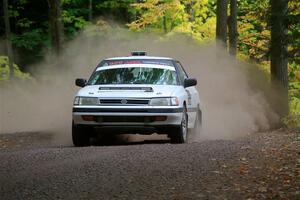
<point>192,96</point>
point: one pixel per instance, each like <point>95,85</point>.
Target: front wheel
<point>81,135</point>
<point>179,135</point>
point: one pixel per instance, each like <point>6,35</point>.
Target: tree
<point>159,15</point>
<point>8,40</point>
<point>165,24</point>
<point>279,30</point>
<point>56,26</point>
<point>279,44</point>
<point>221,29</point>
<point>90,10</point>
<point>118,10</point>
<point>232,27</point>
<point>189,6</point>
<point>193,18</point>
<point>254,33</point>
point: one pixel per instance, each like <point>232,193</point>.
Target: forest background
<point>33,25</point>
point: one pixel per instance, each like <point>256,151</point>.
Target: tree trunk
<point>279,53</point>
<point>56,26</point>
<point>90,10</point>
<point>8,40</point>
<point>165,24</point>
<point>221,29</point>
<point>190,10</point>
<point>232,28</point>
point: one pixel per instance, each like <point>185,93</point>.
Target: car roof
<point>139,57</point>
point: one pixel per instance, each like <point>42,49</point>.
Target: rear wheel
<point>81,135</point>
<point>179,135</point>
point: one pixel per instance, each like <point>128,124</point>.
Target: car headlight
<point>76,101</point>
<point>86,101</point>
<point>170,101</point>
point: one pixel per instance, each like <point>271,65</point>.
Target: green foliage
<point>294,31</point>
<point>29,43</point>
<point>193,18</point>
<point>115,4</point>
<point>159,15</point>
<point>24,23</point>
<point>201,21</point>
<point>117,10</point>
<point>254,33</point>
<point>293,119</point>
<point>294,89</point>
<point>294,71</point>
<point>295,106</point>
<point>72,23</point>
<point>254,42</point>
<point>30,40</point>
<point>4,71</point>
<point>74,16</point>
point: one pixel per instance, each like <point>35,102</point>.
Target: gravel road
<point>31,167</point>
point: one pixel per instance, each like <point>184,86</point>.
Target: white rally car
<point>137,94</point>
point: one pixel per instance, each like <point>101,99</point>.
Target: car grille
<point>124,101</point>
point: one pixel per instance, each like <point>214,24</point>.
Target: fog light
<point>160,118</point>
<point>88,118</point>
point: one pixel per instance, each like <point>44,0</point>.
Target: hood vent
<point>145,89</point>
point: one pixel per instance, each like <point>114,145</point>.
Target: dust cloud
<point>235,96</point>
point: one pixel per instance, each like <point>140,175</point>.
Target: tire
<point>81,135</point>
<point>194,132</point>
<point>179,135</point>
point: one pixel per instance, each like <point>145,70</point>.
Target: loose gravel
<point>159,170</point>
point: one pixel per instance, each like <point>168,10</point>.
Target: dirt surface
<point>259,166</point>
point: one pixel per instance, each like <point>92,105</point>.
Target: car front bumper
<point>127,116</point>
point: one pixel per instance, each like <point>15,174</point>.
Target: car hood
<point>128,91</point>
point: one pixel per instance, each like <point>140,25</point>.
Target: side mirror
<point>80,82</point>
<point>188,82</point>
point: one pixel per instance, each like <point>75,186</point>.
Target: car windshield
<point>156,75</point>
